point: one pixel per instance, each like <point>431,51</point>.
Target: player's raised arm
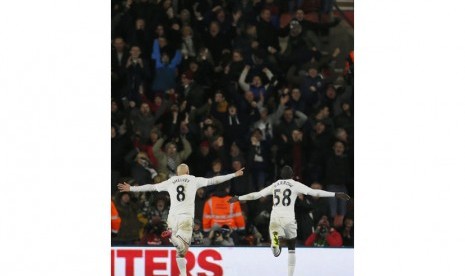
<point>253,196</point>
<point>219,179</point>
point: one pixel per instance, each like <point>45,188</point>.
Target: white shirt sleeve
<point>202,182</point>
<point>301,188</point>
<point>264,192</point>
<point>162,186</point>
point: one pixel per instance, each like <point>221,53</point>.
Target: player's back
<point>182,190</point>
<point>284,195</point>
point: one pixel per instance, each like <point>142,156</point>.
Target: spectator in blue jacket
<point>165,70</point>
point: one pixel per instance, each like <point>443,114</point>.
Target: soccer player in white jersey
<point>282,219</point>
<point>182,189</point>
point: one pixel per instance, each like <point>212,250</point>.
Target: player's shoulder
<point>296,184</point>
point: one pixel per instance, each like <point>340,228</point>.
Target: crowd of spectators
<point>221,85</point>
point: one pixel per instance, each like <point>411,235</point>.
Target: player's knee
<point>180,255</point>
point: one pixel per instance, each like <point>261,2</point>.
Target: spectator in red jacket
<point>324,236</point>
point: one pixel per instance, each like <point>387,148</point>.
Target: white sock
<point>290,262</point>
<point>182,265</point>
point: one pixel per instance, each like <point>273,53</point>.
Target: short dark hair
<point>286,172</point>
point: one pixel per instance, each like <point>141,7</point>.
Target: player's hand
<point>123,187</point>
<point>342,196</point>
<point>233,199</point>
<point>239,172</point>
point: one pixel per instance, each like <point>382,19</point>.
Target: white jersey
<point>182,190</point>
<point>284,193</point>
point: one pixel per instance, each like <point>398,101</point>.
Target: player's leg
<point>291,234</point>
<point>291,257</point>
<point>276,232</point>
<point>172,234</point>
<point>183,238</point>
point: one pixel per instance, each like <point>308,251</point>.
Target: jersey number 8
<point>180,196</point>
<point>286,197</point>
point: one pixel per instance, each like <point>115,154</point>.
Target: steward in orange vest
<point>115,220</point>
<point>217,211</point>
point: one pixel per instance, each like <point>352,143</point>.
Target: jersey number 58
<point>286,197</point>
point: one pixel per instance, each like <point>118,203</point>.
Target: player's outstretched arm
<point>233,199</point>
<point>222,178</point>
<point>125,187</point>
<point>252,196</point>
<point>343,196</point>
<point>321,193</point>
